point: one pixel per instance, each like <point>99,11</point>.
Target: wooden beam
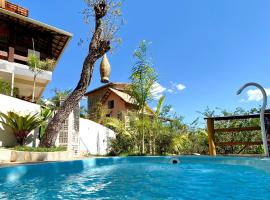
<point>239,143</point>
<point>4,54</point>
<point>252,116</point>
<point>231,130</point>
<point>21,58</point>
<point>211,139</point>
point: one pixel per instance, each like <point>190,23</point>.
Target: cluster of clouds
<point>159,90</point>
<point>256,94</point>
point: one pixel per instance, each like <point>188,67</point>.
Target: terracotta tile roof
<point>126,97</point>
<point>108,85</point>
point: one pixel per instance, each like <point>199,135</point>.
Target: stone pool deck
<point>9,164</point>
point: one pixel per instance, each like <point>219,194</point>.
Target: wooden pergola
<point>212,131</point>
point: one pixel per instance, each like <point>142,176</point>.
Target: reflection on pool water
<point>198,177</point>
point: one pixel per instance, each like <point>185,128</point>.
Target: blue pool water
<point>143,178</point>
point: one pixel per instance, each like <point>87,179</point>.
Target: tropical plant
<point>142,79</point>
<point>21,125</point>
<point>59,96</point>
<point>46,114</point>
<point>84,112</point>
<point>117,125</point>
<point>5,88</point>
<point>105,13</point>
<point>99,114</point>
<point>38,66</point>
<point>123,143</point>
<point>157,123</point>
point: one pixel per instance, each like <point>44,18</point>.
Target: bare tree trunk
<point>154,145</point>
<point>97,48</point>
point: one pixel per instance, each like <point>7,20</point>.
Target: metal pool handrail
<point>264,138</point>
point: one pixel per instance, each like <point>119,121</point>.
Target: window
<point>111,104</point>
<point>120,116</point>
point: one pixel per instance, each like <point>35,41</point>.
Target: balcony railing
<point>12,57</point>
<point>16,9</point>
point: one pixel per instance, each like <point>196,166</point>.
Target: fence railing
<point>212,131</point>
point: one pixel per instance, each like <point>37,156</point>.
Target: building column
<point>12,84</point>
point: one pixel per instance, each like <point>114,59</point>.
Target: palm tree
<point>142,79</point>
<point>21,125</point>
<point>157,123</point>
<point>118,125</point>
<point>46,114</point>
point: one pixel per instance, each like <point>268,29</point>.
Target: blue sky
<point>203,50</point>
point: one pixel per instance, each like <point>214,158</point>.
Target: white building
<point>18,32</point>
<point>19,35</point>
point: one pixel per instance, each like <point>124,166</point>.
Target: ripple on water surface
<point>138,180</point>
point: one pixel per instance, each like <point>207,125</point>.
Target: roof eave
<point>27,19</point>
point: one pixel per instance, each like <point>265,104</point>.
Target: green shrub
<point>39,149</point>
<point>21,125</point>
<point>5,88</point>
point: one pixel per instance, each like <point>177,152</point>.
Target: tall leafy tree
<point>59,95</point>
<point>38,66</point>
<point>105,13</point>
<point>157,123</point>
<point>142,80</point>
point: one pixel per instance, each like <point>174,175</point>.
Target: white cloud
<point>242,100</point>
<point>176,87</point>
<point>170,91</point>
<point>180,86</point>
<point>157,90</point>
<point>256,95</point>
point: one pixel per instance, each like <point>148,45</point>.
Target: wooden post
<point>211,138</point>
<point>11,52</point>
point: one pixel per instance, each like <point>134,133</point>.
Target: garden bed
<point>10,155</point>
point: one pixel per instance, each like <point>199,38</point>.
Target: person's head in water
<point>174,162</point>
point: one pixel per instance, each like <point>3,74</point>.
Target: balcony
<point>12,57</point>
<point>15,9</point>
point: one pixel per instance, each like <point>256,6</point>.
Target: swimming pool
<point>196,177</point>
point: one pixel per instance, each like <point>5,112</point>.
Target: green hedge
<point>39,149</point>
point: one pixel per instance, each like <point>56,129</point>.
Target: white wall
<point>94,137</point>
<point>7,138</point>
<point>23,70</point>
